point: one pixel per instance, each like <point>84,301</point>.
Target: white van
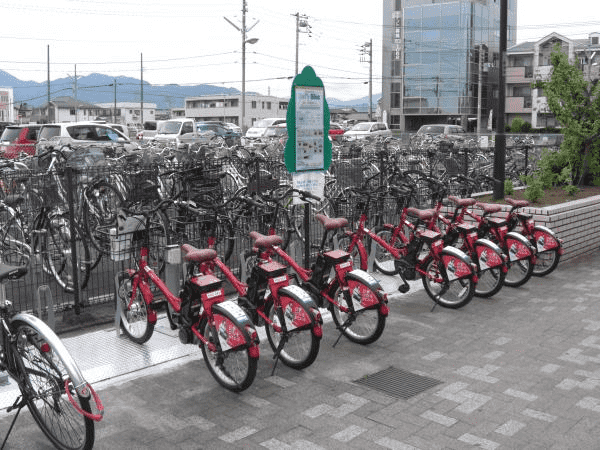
<point>260,127</point>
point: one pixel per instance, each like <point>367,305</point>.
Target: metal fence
<point>62,222</point>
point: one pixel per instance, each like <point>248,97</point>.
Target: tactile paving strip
<point>398,383</point>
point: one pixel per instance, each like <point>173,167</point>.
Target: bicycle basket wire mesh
<point>202,184</point>
<point>141,184</point>
<point>86,158</point>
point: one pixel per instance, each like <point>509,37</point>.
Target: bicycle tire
<point>490,282</point>
<point>218,362</point>
<point>451,294</point>
<point>101,204</point>
<point>58,254</point>
<point>384,261</point>
<point>159,237</point>
<point>519,272</point>
<point>423,195</point>
<point>366,325</point>
<point>546,262</point>
<point>301,347</point>
<point>14,249</point>
<point>134,320</point>
<point>43,388</point>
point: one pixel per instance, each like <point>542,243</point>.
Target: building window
<point>398,5</point>
<point>396,63</point>
<point>268,105</point>
<point>72,111</point>
<point>253,104</point>
<point>595,40</point>
<point>395,100</point>
<point>283,105</point>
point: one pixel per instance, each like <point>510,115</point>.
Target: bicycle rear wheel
<point>449,294</point>
<point>100,213</point>
<point>301,346</point>
<point>362,325</point>
<point>234,369</point>
<point>519,272</point>
<point>44,390</point>
<point>14,249</point>
<point>546,262</point>
<point>134,317</point>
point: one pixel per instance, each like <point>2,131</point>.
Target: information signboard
<point>308,147</point>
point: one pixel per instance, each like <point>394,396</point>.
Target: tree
<point>576,105</point>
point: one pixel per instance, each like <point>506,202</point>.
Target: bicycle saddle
<point>516,203</point>
<point>462,201</point>
<point>332,224</point>
<point>421,214</point>
<point>489,208</point>
<point>262,241</point>
<point>193,254</point>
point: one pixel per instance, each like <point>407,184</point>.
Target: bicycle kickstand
<point>342,327</point>
<point>20,404</point>
<point>278,352</point>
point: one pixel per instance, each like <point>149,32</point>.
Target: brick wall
<point>577,223</point>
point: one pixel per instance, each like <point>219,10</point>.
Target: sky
<point>189,42</point>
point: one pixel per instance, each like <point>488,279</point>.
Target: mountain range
<point>99,88</point>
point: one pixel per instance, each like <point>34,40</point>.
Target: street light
<point>244,42</point>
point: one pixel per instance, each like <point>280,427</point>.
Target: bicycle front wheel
<point>134,316</point>
<point>546,262</point>
<point>449,294</point>
<point>490,282</point>
<point>234,369</point>
<point>360,324</point>
<point>300,346</point>
<point>519,272</point>
<point>43,388</point>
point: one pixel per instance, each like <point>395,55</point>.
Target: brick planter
<point>577,223</point>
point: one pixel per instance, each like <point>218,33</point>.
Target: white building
<point>128,113</point>
<point>7,113</point>
<point>228,108</point>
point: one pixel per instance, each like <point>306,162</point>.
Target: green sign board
<point>308,147</point>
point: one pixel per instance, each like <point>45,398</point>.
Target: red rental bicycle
<point>355,299</point>
<point>549,247</point>
<point>289,314</point>
<point>521,254</point>
<point>224,332</point>
<point>448,274</point>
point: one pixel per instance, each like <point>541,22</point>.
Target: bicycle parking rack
<point>44,292</point>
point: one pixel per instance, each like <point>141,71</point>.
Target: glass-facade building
<point>431,70</point>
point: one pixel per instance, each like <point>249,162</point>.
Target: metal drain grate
<point>398,383</point>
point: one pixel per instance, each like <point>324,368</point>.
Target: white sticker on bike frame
<point>233,309</point>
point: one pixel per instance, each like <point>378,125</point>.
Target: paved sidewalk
<point>520,371</point>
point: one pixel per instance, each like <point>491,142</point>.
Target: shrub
<point>509,188</point>
<point>517,125</point>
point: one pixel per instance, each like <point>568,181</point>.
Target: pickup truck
<point>181,131</point>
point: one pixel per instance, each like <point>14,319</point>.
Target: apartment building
<point>228,108</point>
<point>530,61</point>
<point>431,65</point>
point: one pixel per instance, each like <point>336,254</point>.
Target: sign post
<point>307,151</point>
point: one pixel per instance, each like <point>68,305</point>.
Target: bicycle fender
<point>365,278</point>
<point>518,246</point>
<point>301,298</point>
<point>237,328</point>
<point>457,263</point>
<point>489,255</point>
<point>59,348</point>
<point>545,239</point>
<point>374,298</point>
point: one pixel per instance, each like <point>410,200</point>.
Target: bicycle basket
<point>84,158</point>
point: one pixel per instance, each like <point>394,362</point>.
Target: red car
<point>335,131</point>
<point>18,138</point>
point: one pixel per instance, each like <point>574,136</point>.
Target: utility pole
<point>245,41</point>
<point>115,108</point>
<point>142,87</point>
<point>479,89</point>
<point>48,109</point>
<point>500,147</point>
<point>367,50</point>
<point>301,22</point>
<point>75,93</point>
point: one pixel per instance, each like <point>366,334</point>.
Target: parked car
<point>18,138</point>
<point>367,129</point>
<point>230,136</point>
<point>77,133</point>
<point>336,131</point>
<point>260,127</point>
<point>234,127</point>
<point>453,132</point>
